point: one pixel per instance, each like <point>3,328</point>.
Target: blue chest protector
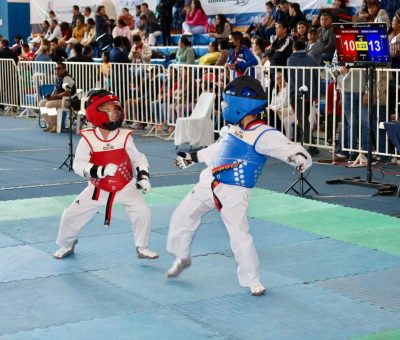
<point>238,163</point>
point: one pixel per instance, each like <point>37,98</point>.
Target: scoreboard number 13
<point>374,45</point>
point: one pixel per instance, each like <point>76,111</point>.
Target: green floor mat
<point>393,334</point>
<point>53,206</point>
<point>177,191</point>
<point>387,240</point>
<point>266,204</point>
<point>34,207</point>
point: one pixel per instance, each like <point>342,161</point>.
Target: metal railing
<point>329,112</point>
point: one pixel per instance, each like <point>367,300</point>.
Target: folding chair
<point>198,129</point>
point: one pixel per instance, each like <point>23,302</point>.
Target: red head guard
<point>100,118</point>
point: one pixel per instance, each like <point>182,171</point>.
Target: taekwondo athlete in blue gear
<point>234,163</point>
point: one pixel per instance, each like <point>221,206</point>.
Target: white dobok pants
<point>187,218</point>
<point>82,210</point>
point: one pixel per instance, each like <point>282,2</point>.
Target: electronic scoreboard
<point>362,44</point>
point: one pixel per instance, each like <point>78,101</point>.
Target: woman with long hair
<point>196,19</point>
<point>222,27</point>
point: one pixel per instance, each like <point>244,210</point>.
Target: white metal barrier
<point>8,83</point>
<point>157,96</point>
<point>301,103</point>
<point>33,77</point>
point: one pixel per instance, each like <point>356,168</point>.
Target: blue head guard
<point>242,97</point>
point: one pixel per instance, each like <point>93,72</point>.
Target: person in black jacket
<point>6,52</point>
<point>295,15</point>
<point>164,9</point>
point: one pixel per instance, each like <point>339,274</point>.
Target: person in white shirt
<point>280,105</point>
<point>234,164</point>
<point>107,155</point>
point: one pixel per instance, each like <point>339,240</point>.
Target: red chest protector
<point>105,152</point>
<point>110,151</point>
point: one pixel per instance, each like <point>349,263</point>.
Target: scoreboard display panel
<point>361,44</point>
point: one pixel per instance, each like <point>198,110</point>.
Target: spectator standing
<point>76,14</point>
<point>222,27</point>
<point>352,87</point>
<point>327,37</point>
<point>302,101</point>
<point>185,53</point>
<point>314,47</point>
<point>103,36</point>
<point>196,19</point>
<point>240,56</point>
<point>164,9</point>
<point>110,9</point>
<point>178,16</point>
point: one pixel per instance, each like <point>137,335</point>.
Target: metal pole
<point>370,72</point>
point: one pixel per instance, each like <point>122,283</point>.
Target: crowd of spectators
<point>284,37</point>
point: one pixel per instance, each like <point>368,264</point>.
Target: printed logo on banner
<point>234,2</point>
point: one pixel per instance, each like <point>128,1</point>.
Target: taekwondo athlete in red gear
<point>107,155</point>
<point>234,163</point>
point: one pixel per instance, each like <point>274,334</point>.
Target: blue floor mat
<point>213,237</point>
<point>7,241</point>
<point>295,312</point>
<point>381,288</point>
<point>162,323</point>
<point>209,276</point>
<point>63,299</point>
<point>323,259</point>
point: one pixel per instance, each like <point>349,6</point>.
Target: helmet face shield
<point>242,97</point>
<point>104,110</point>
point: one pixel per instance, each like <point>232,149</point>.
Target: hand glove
<point>302,161</point>
<point>144,185</point>
<point>107,170</point>
<point>183,159</point>
<point>142,181</point>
